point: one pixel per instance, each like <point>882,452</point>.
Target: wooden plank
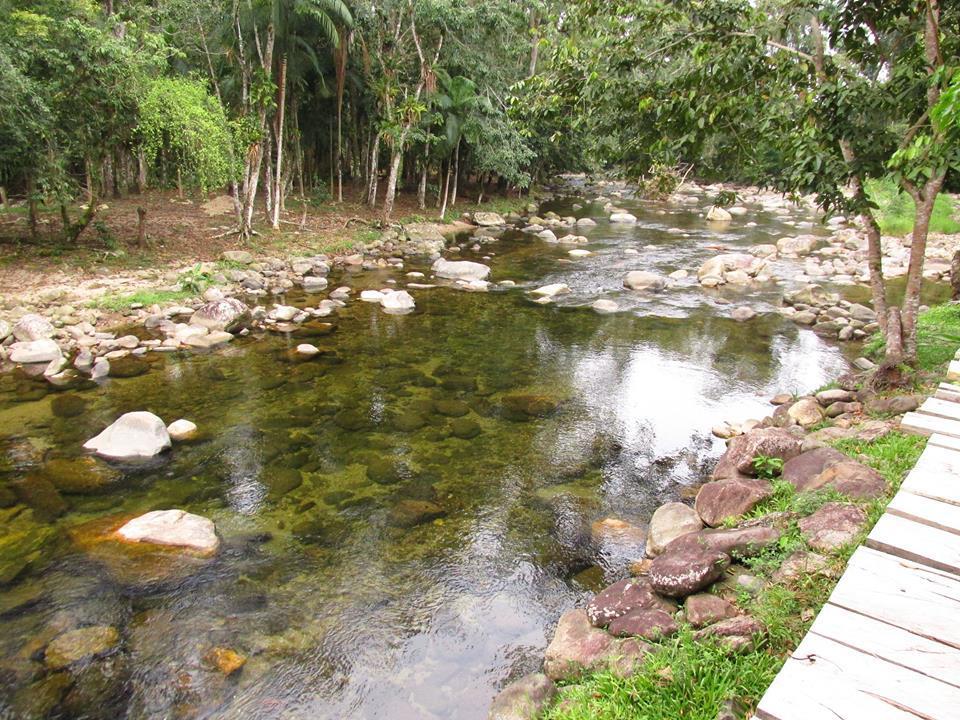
<point>928,424</point>
<point>912,541</point>
<point>949,387</point>
<point>889,643</point>
<point>932,482</point>
<point>940,408</point>
<point>908,595</point>
<point>825,679</point>
<point>943,393</point>
<point>927,511</point>
<point>944,441</point>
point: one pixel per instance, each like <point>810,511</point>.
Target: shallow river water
<point>403,518</point>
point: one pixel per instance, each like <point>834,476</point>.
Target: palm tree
<point>459,100</point>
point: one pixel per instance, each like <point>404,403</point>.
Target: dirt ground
<point>180,231</point>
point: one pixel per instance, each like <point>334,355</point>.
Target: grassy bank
<point>938,337</point>
<point>895,210</point>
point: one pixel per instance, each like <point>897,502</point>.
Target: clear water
<point>343,606</point>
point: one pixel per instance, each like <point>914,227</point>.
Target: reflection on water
<point>404,517</point>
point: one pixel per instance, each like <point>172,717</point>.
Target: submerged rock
<point>76,645</point>
<point>225,660</point>
<point>410,513</point>
<point>80,475</point>
<point>460,270</point>
<point>133,436</point>
<point>523,699</point>
<point>176,528</point>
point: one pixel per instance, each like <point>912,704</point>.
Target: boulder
<point>578,647</point>
<point>623,218</point>
<point>803,470</point>
<point>460,270</point>
<point>425,238</point>
<point>811,295</point>
<point>722,499</point>
<point>896,405</point>
<point>549,291</point>
<point>74,646</point>
<point>650,624</point>
<point>133,436</point>
<point>806,412</point>
<point>852,479</point>
<point>488,219</point>
<point>35,351</point>
<point>833,526</point>
<point>669,522</point>
<point>828,397</point>
<point>397,303</point>
<point>621,598</point>
<point>643,280</point>
<point>32,327</point>
<point>176,528</point>
<point>718,214</point>
<point>237,256</point>
<point>605,307</point>
<point>796,246</point>
<point>705,609</point>
<point>686,569</point>
<point>523,699</point>
<point>716,270</point>
<point>737,634</point>
<point>742,541</point>
<point>765,442</point>
<point>227,315</point>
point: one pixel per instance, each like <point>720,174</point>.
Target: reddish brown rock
<point>669,522</point>
<point>737,633</point>
<point>724,499</point>
<point>578,647</point>
<point>704,609</point>
<point>802,470</point>
<point>621,598</point>
<point>853,479</point>
<point>523,699</point>
<point>648,624</point>
<point>802,564</point>
<point>687,569</point>
<point>767,442</point>
<point>833,526</point>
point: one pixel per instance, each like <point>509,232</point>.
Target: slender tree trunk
<point>446,191</point>
<point>141,172</point>
<point>340,62</point>
<point>374,172</point>
<point>106,170</point>
<point>918,247</point>
<point>179,184</point>
<point>88,179</point>
<point>278,169</point>
<point>391,194</point>
<point>439,186</point>
<point>955,276</point>
<point>32,206</point>
<point>422,187</point>
<point>3,196</point>
<point>456,174</point>
<point>534,42</point>
<point>141,227</point>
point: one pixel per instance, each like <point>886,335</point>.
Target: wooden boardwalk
<point>887,643</point>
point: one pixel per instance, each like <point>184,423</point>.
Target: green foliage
<point>896,209</point>
<point>119,303</point>
<point>660,181</point>
<point>938,336</point>
<point>892,455</point>
<point>183,125</point>
<point>195,280</point>
<point>767,467</point>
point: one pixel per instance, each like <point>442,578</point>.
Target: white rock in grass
<point>181,430</point>
<point>176,528</point>
<point>133,436</point>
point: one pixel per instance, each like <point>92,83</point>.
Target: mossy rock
<point>352,420</point>
<point>409,421</point>
<point>40,699</point>
<point>524,407</point>
<point>410,513</point>
<point>459,383</point>
<point>97,688</point>
<point>128,367</point>
<point>41,496</point>
<point>68,405</point>
<point>8,498</point>
<point>464,428</point>
<point>82,475</point>
<point>451,408</point>
<point>316,328</point>
<point>81,644</point>
<point>22,544</point>
<point>319,530</point>
<point>282,480</point>
<point>386,471</point>
<point>336,498</point>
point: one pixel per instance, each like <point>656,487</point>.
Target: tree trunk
<point>374,172</point>
<point>396,157</point>
<point>141,227</point>
<point>534,42</point>
<point>278,131</point>
<point>179,184</point>
<point>955,276</point>
<point>340,62</point>
<point>106,170</point>
<point>446,191</point>
<point>32,206</point>
<point>422,187</point>
<point>456,174</point>
<point>918,247</point>
<point>3,196</point>
<point>141,172</point>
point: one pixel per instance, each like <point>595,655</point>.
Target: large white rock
<point>488,219</point>
<point>799,245</point>
<point>605,307</point>
<point>549,291</point>
<point>643,280</point>
<point>718,214</point>
<point>460,270</point>
<point>227,314</point>
<point>623,218</point>
<point>35,351</point>
<point>586,222</point>
<point>133,436</point>
<point>32,327</point>
<point>397,303</point>
<point>371,296</point>
<point>182,429</point>
<point>669,522</point>
<point>177,528</point>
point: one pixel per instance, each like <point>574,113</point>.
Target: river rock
<point>686,569</point>
<point>721,268</point>
<point>399,302</point>
<point>488,219</point>
<point>743,314</point>
<point>81,644</point>
<point>718,214</point>
<point>802,471</point>
<point>227,314</point>
<point>669,522</point>
<point>35,351</point>
<point>32,327</point>
<point>650,624</point>
<point>766,442</point>
<point>578,647</point>
<point>623,218</point>
<point>176,528</point>
<point>211,339</point>
<point>852,479</point>
<point>523,699</point>
<point>134,435</point>
<point>643,280</point>
<point>80,475</point>
<point>833,526</point>
<point>731,498</point>
<point>705,609</point>
<point>737,634</point>
<point>41,496</point>
<point>618,532</point>
<point>410,513</point>
<point>743,542</point>
<point>605,307</point>
<point>619,599</point>
<point>225,660</point>
<point>182,429</point>
<point>307,350</point>
<point>811,295</point>
<point>828,397</point>
<point>799,245</point>
<point>806,412</point>
<point>460,270</point>
<point>801,565</point>
<point>424,238</point>
<point>896,405</point>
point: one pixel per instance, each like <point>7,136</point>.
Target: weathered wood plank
<point>940,408</point>
<point>913,541</point>
<point>825,679</point>
<point>923,424</point>
<point>949,387</point>
<point>944,441</point>
<point>927,511</point>
<point>933,482</point>
<point>945,394</point>
<point>889,643</point>
<point>911,596</point>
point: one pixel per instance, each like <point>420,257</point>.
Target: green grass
<point>146,298</point>
<point>938,336</point>
<point>896,210</point>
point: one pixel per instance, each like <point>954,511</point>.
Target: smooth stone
<point>460,270</point>
<point>643,280</point>
<point>577,648</point>
<point>523,699</point>
<point>722,499</point>
<point>182,430</point>
<point>833,526</point>
<point>605,307</point>
<point>226,314</point>
<point>132,436</point>
<point>176,528</point>
<point>307,350</point>
<point>32,327</point>
<point>28,352</point>
<point>806,411</point>
<point>76,645</point>
<point>686,570</point>
<point>669,522</point>
<point>398,302</point>
<point>741,451</point>
<point>549,291</point>
<point>650,624</point>
<point>705,609</point>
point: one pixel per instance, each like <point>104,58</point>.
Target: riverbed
<point>404,516</point>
